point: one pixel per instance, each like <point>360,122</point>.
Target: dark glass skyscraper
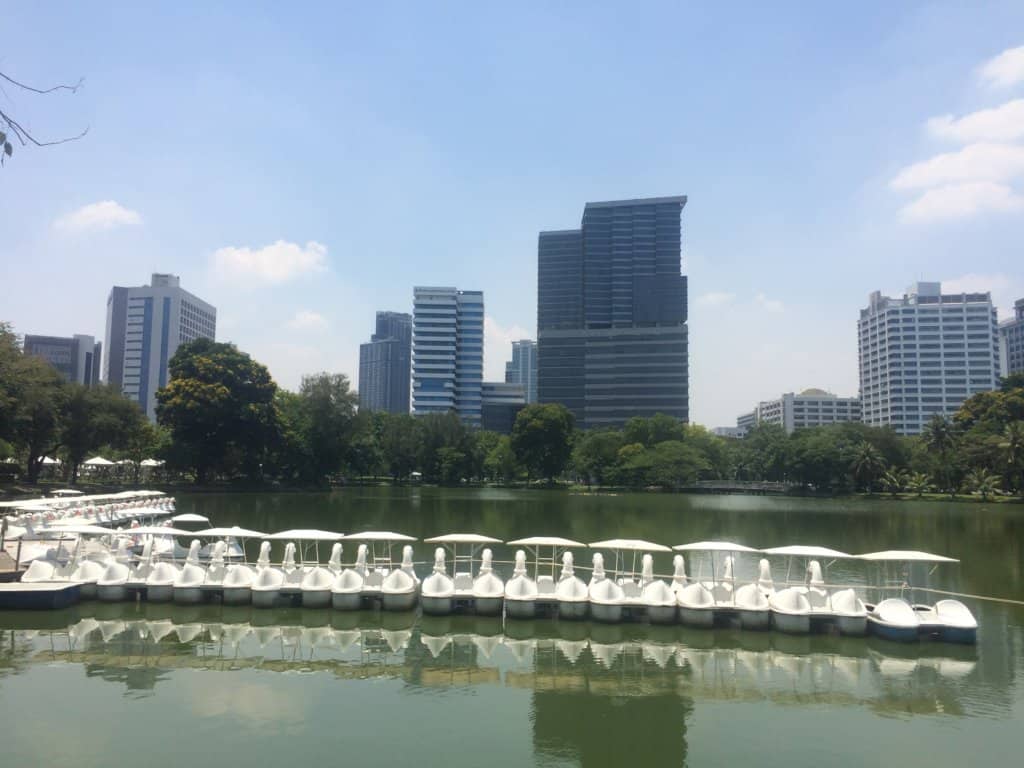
<point>611,313</point>
<point>384,365</point>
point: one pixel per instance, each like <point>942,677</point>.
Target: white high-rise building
<point>810,408</point>
<point>448,352</point>
<point>1011,341</point>
<point>924,354</point>
<point>145,326</point>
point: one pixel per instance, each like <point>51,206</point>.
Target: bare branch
<point>27,138</point>
<point>73,88</point>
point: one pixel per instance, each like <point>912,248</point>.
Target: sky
<point>301,166</point>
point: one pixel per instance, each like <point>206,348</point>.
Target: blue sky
<point>301,166</point>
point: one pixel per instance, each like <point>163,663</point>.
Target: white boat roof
<point>157,530</point>
<point>67,492</point>
<point>305,534</point>
<point>545,541</point>
<point>82,529</point>
<point>379,536</point>
<point>190,517</point>
<point>907,555</point>
<point>629,544</point>
<point>801,550</point>
<point>462,538</point>
<point>234,530</point>
<point>713,546</point>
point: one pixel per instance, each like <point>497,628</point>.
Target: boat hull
<point>236,595</point>
<point>697,617</point>
<point>792,623</point>
<point>436,606</point>
<point>574,610</point>
<point>755,619</point>
<point>188,595</point>
<point>520,609</point>
<point>896,633</point>
<point>488,606</point>
<point>346,601</point>
<point>398,601</point>
<point>609,613</point>
<point>159,593</point>
<point>856,626</point>
<point>111,593</point>
<point>662,614</point>
<point>87,590</point>
<point>32,597</point>
<point>962,635</point>
<point>265,598</point>
<point>316,598</point>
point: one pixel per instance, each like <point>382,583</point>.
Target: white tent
<point>97,461</point>
<point>152,462</point>
<point>47,460</point>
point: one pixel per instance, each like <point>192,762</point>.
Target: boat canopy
<point>907,555</point>
<point>189,517</point>
<point>800,550</point>
<point>714,546</point>
<point>462,538</point>
<point>66,492</point>
<point>635,545</point>
<point>157,530</point>
<point>80,529</point>
<point>305,534</point>
<point>379,536</point>
<point>234,530</point>
<point>545,541</point>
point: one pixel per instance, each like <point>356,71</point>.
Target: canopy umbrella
<point>47,460</point>
<point>305,534</point>
<point>378,536</point>
<point>799,550</point>
<point>233,531</point>
<point>632,545</point>
<point>157,530</point>
<point>189,517</point>
<point>713,546</point>
<point>907,555</point>
<point>97,461</point>
<point>152,462</point>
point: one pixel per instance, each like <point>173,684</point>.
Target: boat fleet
<point>145,562</point>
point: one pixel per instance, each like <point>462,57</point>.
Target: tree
<point>365,457</point>
<point>436,432</point>
<point>595,453</point>
<point>451,465</point>
<point>95,417</point>
<point>328,405</point>
<point>894,481</point>
<point>219,408</point>
<point>867,464</point>
<point>400,440</point>
<point>917,482</point>
<point>501,461</point>
<point>940,436</point>
<point>983,482</point>
<point>542,439</point>
<point>674,463</point>
<point>11,128</point>
<point>1012,446</point>
<point>649,431</point>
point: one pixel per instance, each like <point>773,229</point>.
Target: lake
<point>153,685</point>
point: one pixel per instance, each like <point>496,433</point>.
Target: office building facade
<point>1011,341</point>
<point>76,357</point>
<point>810,408</point>
<point>448,352</point>
<point>611,313</point>
<point>923,354</point>
<point>522,368</point>
<point>145,327</point>
<point>501,402</point>
<point>385,365</point>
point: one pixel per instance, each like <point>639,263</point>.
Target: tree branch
<point>27,138</point>
<point>72,88</point>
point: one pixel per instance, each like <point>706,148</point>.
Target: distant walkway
<point>752,487</point>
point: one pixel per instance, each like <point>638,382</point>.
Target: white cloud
<point>769,305</point>
<point>715,298</point>
<point>953,201</point>
<point>275,263</point>
<point>1002,123</point>
<point>975,162</point>
<point>498,346</point>
<point>1003,70</point>
<point>1005,289</point>
<point>95,217</point>
<point>307,320</point>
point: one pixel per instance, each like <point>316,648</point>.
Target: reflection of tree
<point>15,652</point>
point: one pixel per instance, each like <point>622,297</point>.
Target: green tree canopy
<point>542,439</point>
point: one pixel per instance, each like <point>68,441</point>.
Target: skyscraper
<point>384,365</point>
<point>924,354</point>
<point>145,326</point>
<point>611,313</point>
<point>76,357</point>
<point>448,352</point>
<point>522,368</point>
<point>1011,341</point>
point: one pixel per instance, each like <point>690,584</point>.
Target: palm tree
<point>917,482</point>
<point>894,481</point>
<point>982,481</point>
<point>867,464</point>
<point>940,436</point>
<point>1013,449</point>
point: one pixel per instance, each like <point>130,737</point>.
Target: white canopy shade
<point>462,538</point>
<point>152,462</point>
<point>48,460</point>
<point>67,492</point>
<point>157,530</point>
<point>629,544</point>
<point>80,529</point>
<point>98,461</point>
<point>714,546</point>
<point>234,530</point>
<point>800,550</point>
<point>907,555</point>
<point>189,517</point>
<point>379,536</point>
<point>546,541</point>
<point>305,534</point>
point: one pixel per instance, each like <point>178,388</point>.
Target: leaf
<point>8,148</point>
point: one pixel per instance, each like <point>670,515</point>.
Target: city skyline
<point>848,150</point>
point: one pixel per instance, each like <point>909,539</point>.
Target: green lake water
<point>151,685</point>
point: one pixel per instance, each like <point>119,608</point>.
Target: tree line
<point>222,417</point>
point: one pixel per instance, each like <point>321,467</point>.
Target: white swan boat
<point>188,587</point>
<point>607,599</point>
<point>437,592</point>
<point>378,563</point>
<point>317,583</point>
<point>656,595</point>
<point>236,582</point>
<point>488,588</point>
<point>520,591</point>
<point>160,581</point>
<point>894,619</point>
<point>948,620</point>
<point>628,576</point>
<point>112,585</point>
<point>464,549</point>
<point>236,588</point>
<point>571,592</point>
<point>545,551</point>
<point>751,599</point>
<point>347,589</point>
<point>293,573</point>
<point>851,619</point>
<point>269,582</point>
<point>717,595</point>
<point>400,588</point>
